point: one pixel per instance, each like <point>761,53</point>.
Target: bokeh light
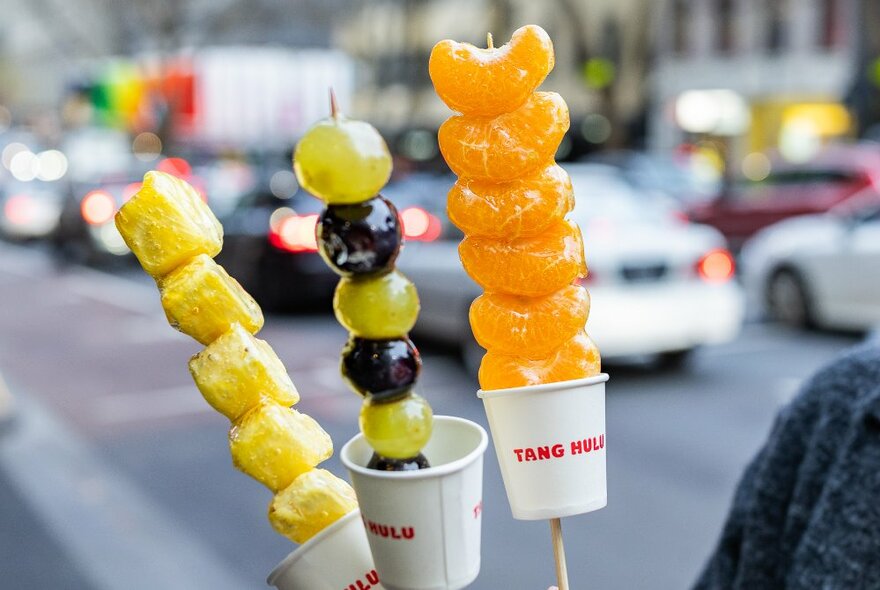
<point>146,146</point>
<point>283,184</point>
<point>97,207</point>
<point>20,209</point>
<point>112,239</point>
<point>599,73</point>
<point>799,140</point>
<point>419,145</point>
<point>279,215</point>
<point>10,151</point>
<point>756,167</point>
<point>24,166</point>
<point>175,167</point>
<point>52,165</point>
<point>722,112</point>
<point>596,128</point>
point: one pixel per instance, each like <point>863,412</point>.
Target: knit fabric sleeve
<point>779,490</point>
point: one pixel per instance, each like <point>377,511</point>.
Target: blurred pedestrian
<point>806,514</point>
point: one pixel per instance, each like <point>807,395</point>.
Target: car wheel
<point>788,299</point>
<point>674,360</point>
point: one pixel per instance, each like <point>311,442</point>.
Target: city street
<point>114,465</point>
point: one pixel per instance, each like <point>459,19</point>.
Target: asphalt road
<point>115,467</point>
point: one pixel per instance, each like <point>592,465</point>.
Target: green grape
<point>342,161</point>
<point>378,308</point>
<point>398,429</point>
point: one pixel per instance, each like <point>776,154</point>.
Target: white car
<point>818,270</point>
<point>659,284</point>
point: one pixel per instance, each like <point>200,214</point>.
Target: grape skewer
<point>345,163</point>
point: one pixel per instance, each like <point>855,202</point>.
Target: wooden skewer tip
<point>334,106</point>
<point>559,554</point>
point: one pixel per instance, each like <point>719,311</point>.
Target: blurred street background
<point>725,156</point>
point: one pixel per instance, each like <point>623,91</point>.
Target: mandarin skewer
<point>510,201</point>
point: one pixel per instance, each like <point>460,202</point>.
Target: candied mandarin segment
<point>166,223</point>
<point>397,429</point>
<point>342,161</point>
<point>377,307</point>
<point>275,444</point>
<point>531,267</point>
<point>526,326</point>
<point>312,502</point>
<point>507,210</point>
<point>236,370</point>
<point>488,82</point>
<point>201,300</point>
<point>576,359</point>
<point>509,146</point>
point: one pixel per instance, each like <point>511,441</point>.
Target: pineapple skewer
<point>174,235</point>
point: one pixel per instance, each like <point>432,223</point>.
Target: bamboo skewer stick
<point>559,554</point>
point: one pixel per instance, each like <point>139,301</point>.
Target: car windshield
<point>600,194</point>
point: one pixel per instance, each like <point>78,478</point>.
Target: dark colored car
<point>270,245</point>
<point>834,176</point>
<point>86,232</point>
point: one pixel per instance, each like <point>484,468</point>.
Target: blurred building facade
<point>752,75</point>
<point>601,57</point>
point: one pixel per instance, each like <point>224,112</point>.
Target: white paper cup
<point>550,442</point>
<point>424,526</point>
<point>337,558</point>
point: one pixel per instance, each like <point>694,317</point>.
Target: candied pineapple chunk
<point>201,300</point>
<point>315,500</point>
<point>237,369</point>
<point>275,444</point>
<point>166,223</point>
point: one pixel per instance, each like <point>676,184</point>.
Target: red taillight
<point>19,209</point>
<point>295,233</point>
<point>419,225</point>
<point>97,208</point>
<point>175,167</point>
<point>717,266</point>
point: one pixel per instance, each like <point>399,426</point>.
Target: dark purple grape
<point>360,239</point>
<point>383,369</point>
<point>381,463</point>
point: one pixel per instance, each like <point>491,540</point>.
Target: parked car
<point>834,176</point>
<point>86,232</point>
<point>30,209</point>
<point>660,286</point>
<point>818,270</point>
<point>270,245</point>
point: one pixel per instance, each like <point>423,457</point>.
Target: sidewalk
<point>67,520</point>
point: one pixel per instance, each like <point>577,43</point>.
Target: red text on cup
<point>366,583</point>
<point>557,451</point>
<point>389,532</point>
